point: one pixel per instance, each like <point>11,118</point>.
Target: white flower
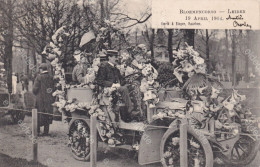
<point>144,85</point>
<point>188,67</point>
<point>194,144</point>
<point>95,68</point>
<point>129,71</point>
<point>54,62</point>
<point>167,154</point>
<point>138,65</point>
<point>161,115</point>
<point>200,68</point>
<point>96,62</point>
<point>92,86</point>
<point>125,56</point>
<point>111,142</point>
<point>198,60</point>
<point>175,141</point>
<point>152,106</point>
<point>196,162</point>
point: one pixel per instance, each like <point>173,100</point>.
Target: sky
<point>135,8</point>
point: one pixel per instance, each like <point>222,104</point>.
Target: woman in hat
<point>80,70</point>
<point>43,88</point>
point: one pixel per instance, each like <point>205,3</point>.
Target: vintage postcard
<point>112,83</point>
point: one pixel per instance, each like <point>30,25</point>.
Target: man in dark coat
<point>43,88</point>
<point>109,76</point>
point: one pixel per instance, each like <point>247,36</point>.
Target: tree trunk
<point>226,42</point>
<point>170,31</point>
<point>189,36</point>
<point>227,51</point>
<point>151,45</point>
<point>34,63</point>
<point>207,49</point>
<point>247,58</point>
<point>28,62</point>
<point>102,11</point>
<point>109,40</point>
<point>233,45</point>
<point>9,46</point>
<point>107,10</point>
<point>136,41</point>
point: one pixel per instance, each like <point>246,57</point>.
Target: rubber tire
<point>243,163</point>
<point>205,144</point>
<point>87,158</point>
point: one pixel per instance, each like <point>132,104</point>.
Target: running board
<point>135,126</point>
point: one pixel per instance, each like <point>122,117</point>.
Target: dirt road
<point>53,150</point>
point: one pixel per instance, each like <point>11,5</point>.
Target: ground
<point>16,146</point>
<point>53,150</point>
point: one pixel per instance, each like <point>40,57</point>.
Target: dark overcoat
<point>43,88</point>
<point>108,74</point>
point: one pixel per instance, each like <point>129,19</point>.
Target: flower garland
<point>148,85</point>
<point>187,62</point>
<point>106,129</point>
<point>202,92</point>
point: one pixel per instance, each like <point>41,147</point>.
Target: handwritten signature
<point>236,24</point>
<point>238,17</point>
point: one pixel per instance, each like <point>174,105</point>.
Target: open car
<point>211,135</point>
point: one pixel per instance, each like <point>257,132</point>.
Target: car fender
<point>151,140</point>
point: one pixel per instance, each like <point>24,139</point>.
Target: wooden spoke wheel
<point>243,152</point>
<point>79,140</point>
<point>199,151</point>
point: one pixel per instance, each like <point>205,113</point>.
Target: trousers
<point>123,90</point>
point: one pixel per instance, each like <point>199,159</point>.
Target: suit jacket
<point>107,75</point>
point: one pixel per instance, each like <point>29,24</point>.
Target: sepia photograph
<point>129,83</point>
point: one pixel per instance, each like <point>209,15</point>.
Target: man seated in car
<point>109,76</point>
<point>80,70</point>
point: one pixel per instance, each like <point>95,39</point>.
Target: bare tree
<point>205,35</point>
<point>7,13</point>
<point>170,36</point>
<point>234,47</point>
<point>149,35</point>
<point>189,36</point>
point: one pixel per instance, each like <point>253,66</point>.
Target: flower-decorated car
<point>218,127</point>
